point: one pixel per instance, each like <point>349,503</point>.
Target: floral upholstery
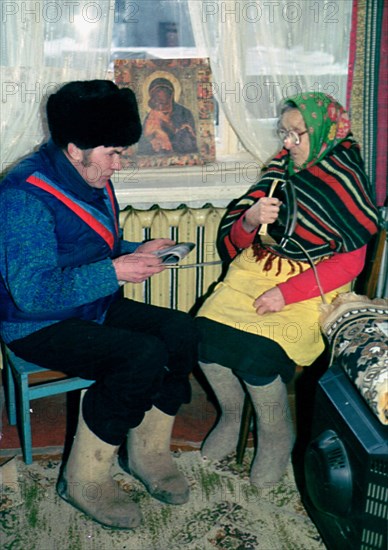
<point>357,331</point>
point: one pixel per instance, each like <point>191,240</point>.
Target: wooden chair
<point>366,284</point>
<point>20,389</point>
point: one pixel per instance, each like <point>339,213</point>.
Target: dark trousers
<point>255,359</point>
<point>141,356</point>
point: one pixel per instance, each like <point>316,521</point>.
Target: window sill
<point>216,183</point>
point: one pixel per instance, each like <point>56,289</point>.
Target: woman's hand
<point>265,210</point>
<point>269,302</point>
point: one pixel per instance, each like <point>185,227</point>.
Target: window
<point>162,29</point>
<point>258,50</point>
<point>146,27</point>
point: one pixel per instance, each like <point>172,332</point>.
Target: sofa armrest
<point>357,331</point>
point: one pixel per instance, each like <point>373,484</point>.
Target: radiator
<point>176,288</point>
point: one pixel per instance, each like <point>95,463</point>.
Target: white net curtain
<point>260,52</point>
<point>45,43</point>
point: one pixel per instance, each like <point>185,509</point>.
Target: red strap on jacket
<point>81,212</point>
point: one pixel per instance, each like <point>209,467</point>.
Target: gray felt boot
<point>86,482</point>
<point>275,434</point>
<point>222,440</point>
<point>147,457</point>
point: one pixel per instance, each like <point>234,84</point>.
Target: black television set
<point>346,468</point>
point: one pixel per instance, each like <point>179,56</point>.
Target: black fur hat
<point>93,113</point>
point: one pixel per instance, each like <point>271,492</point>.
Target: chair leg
<point>246,419</point>
<point>10,391</point>
<point>25,421</point>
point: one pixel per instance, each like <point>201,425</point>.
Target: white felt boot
<point>147,456</point>
<point>275,434</point>
<point>86,482</point>
<point>222,440</point>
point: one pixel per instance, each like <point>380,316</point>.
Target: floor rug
<point>224,512</point>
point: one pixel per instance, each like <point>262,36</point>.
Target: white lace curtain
<point>260,52</point>
<point>263,52</point>
<point>43,45</point>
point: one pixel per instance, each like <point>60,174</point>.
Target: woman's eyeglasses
<point>292,135</point>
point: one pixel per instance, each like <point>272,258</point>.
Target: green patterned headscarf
<point>326,121</point>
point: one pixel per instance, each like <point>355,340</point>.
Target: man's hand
<point>269,302</point>
<point>142,264</point>
<point>265,210</point>
<point>154,245</point>
<point>136,267</point>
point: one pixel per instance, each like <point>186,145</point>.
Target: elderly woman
<point>262,319</point>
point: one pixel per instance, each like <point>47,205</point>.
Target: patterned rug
<point>224,512</point>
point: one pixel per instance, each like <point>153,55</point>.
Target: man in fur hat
<point>61,260</point>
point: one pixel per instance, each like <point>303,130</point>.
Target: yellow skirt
<point>295,328</point>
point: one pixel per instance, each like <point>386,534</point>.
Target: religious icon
<point>176,107</point>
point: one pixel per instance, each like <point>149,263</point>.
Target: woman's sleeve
<point>240,237</point>
<point>226,245</point>
<point>231,238</point>
<point>333,272</point>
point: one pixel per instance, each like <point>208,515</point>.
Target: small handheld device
<point>173,254</point>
